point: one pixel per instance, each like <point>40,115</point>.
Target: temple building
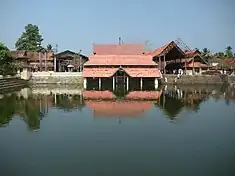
<point>121,63</point>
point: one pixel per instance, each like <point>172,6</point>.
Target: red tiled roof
<point>115,49</point>
<point>114,108</point>
<point>159,51</point>
<point>98,72</point>
<point>192,53</point>
<point>120,60</point>
<point>31,55</point>
<point>143,72</point>
<point>162,49</point>
<point>197,65</point>
<point>132,72</point>
<point>230,60</point>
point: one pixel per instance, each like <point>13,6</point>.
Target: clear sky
<point>76,24</point>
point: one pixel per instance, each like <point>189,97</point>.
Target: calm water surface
<point>65,131</point>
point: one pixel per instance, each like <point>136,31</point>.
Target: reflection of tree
<point>26,108</point>
<point>193,100</point>
<point>31,113</point>
<point>171,106</point>
<point>7,109</point>
<point>69,102</point>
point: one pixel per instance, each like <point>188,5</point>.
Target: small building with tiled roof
<point>120,63</point>
<point>171,57</point>
<point>38,61</point>
<point>67,61</point>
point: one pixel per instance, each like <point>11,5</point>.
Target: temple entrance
<point>121,79</point>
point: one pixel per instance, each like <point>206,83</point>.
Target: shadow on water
<point>33,104</point>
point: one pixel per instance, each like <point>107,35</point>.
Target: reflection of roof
<point>134,95</point>
<point>98,94</point>
<point>120,60</point>
<point>95,100</point>
<point>119,109</point>
<point>116,49</point>
<point>132,72</point>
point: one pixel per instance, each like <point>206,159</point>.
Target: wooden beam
<point>164,62</point>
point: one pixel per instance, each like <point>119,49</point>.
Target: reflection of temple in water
<point>107,104</point>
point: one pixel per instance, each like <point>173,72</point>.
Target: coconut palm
<point>228,52</point>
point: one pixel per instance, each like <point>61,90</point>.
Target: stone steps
<point>9,83</point>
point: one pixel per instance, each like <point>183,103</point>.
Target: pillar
<point>141,83</point>
<point>127,83</point>
<point>156,83</point>
<point>55,98</point>
<point>25,74</point>
<point>99,83</point>
<point>113,83</point>
<point>164,64</point>
<point>54,64</point>
<point>84,83</point>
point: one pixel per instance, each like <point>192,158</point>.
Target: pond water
<point>185,130</point>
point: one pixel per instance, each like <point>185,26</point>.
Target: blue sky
<point>76,24</point>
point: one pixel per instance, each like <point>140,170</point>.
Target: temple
<point>121,63</point>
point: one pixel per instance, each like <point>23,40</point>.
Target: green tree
<point>219,55</point>
<point>49,48</point>
<point>206,54</point>
<point>228,52</point>
<point>7,62</point>
<point>30,40</point>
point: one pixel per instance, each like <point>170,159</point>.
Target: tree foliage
<point>7,62</point>
<point>228,52</point>
<point>206,54</point>
<point>30,39</point>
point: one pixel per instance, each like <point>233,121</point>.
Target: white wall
<point>55,74</point>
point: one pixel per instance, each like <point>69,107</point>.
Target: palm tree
<point>228,51</point>
<point>205,51</point>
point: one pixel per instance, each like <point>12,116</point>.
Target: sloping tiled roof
<point>31,55</point>
<point>132,72</point>
<point>98,72</point>
<point>116,49</point>
<point>163,49</point>
<point>197,65</point>
<point>192,53</point>
<point>120,60</point>
<point>143,72</point>
<point>230,60</point>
